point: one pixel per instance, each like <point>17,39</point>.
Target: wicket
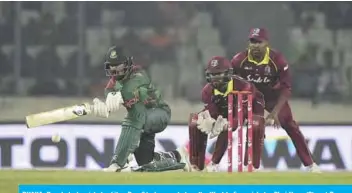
<point>249,135</point>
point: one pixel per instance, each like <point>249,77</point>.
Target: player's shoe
<point>260,169</point>
<point>212,167</point>
<point>314,168</point>
<point>116,168</point>
<point>185,158</point>
<point>112,168</point>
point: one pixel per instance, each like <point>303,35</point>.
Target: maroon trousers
<point>292,129</point>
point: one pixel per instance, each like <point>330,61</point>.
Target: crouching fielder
<point>147,115</point>
<point>212,120</point>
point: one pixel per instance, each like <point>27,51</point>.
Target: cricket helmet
<point>116,64</point>
<point>218,71</point>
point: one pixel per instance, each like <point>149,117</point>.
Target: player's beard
<point>257,53</point>
<point>216,84</point>
<point>219,85</point>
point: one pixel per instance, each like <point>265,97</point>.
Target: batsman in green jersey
<point>148,114</point>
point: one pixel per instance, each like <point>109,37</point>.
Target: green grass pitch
<point>9,179</point>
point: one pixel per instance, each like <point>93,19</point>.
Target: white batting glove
<point>205,122</point>
<point>113,101</point>
<point>220,125</point>
<point>100,109</point>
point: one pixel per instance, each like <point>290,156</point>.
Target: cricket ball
<point>55,138</point>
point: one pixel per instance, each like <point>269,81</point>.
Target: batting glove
<point>113,101</point>
<point>100,109</point>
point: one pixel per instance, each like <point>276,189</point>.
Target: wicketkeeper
<point>213,120</point>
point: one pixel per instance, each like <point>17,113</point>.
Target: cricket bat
<point>58,115</point>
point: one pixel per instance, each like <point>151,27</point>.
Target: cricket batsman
<point>148,114</point>
<point>213,119</point>
<point>269,71</point>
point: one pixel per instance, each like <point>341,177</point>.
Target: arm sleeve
<point>208,104</point>
<point>236,63</point>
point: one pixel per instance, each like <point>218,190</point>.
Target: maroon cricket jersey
<point>215,101</point>
<point>271,76</point>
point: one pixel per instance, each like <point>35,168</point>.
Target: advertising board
<point>91,146</point>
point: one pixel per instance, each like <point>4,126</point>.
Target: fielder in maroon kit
<point>269,71</point>
<point>212,119</point>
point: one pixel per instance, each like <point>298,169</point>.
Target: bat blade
<point>57,115</point>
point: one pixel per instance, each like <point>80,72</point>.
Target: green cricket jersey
<point>139,94</point>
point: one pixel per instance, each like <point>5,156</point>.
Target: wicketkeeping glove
<point>220,125</point>
<point>205,122</point>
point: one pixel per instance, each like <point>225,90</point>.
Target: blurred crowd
<point>57,48</point>
<point>321,50</point>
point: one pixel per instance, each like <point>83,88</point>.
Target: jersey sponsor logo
<point>258,79</point>
<point>267,70</point>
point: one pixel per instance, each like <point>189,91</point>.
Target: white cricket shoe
<point>116,168</point>
<point>245,169</point>
<point>314,168</point>
<point>185,158</point>
<point>212,167</point>
<point>112,168</point>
